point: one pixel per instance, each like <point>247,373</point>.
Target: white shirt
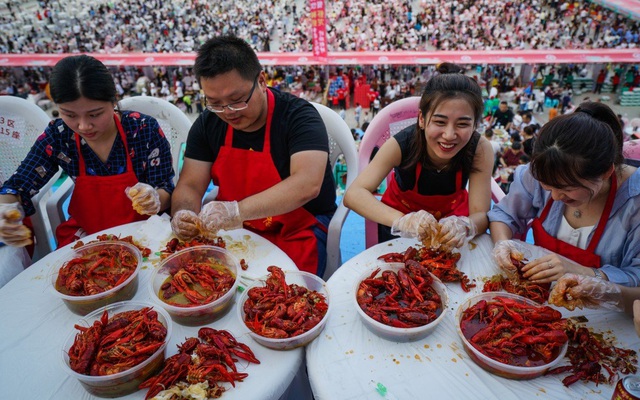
<point>574,236</point>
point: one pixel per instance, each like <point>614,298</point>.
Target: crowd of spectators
<point>70,26</point>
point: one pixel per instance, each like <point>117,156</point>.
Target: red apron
<point>586,257</point>
<point>439,206</point>
<point>99,202</point>
<point>241,173</point>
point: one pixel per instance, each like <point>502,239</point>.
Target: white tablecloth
<point>34,323</point>
<point>347,361</point>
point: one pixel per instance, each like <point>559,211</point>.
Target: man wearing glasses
<point>267,152</point>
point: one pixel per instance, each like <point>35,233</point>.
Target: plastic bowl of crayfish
<point>96,274</point>
<point>405,323</point>
<point>297,308</point>
<point>522,346</point>
<point>129,343</point>
<point>196,285</point>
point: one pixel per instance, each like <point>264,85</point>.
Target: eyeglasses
<point>237,106</point>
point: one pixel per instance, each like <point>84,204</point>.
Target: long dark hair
<point>81,76</point>
<point>224,54</point>
<point>450,83</point>
<point>581,145</point>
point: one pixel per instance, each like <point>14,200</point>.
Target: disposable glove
<point>144,198</point>
<point>218,215</point>
<point>455,230</point>
<point>581,291</point>
<point>185,224</point>
<point>503,252</point>
<point>419,224</point>
<point>12,230</point>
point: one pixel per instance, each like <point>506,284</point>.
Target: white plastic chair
<point>340,142</point>
<point>389,121</point>
<point>21,122</point>
<point>175,125</point>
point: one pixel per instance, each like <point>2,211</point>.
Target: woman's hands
<point>503,253</point>
<point>418,224</point>
<point>454,231</point>
<point>144,198</point>
<point>550,268</point>
<point>581,291</point>
<point>12,231</point>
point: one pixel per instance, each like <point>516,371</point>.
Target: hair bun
<point>449,68</point>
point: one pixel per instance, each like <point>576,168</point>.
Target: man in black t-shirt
<point>266,151</point>
<point>503,116</point>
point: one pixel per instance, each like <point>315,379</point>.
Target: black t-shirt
<point>503,118</point>
<point>430,182</point>
<point>296,126</point>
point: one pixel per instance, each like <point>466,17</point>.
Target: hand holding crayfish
<point>419,224</point>
<point>144,198</point>
<point>217,215</point>
<point>581,291</point>
<point>12,231</point>
<point>454,231</point>
<point>185,224</point>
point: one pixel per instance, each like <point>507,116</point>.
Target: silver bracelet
<point>598,274</point>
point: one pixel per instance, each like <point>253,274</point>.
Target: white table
<point>347,361</point>
<point>34,324</point>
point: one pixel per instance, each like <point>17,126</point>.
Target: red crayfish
<point>116,344</point>
<point>514,333</point>
<point>403,299</point>
<point>196,282</point>
<point>592,356</point>
<point>211,359</point>
<point>280,310</point>
<point>538,292</point>
<point>145,251</point>
<point>96,272</point>
<point>176,244</point>
<point>440,262</point>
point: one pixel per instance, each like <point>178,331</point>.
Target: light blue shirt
<point>619,247</point>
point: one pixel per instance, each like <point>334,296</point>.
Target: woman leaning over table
<point>120,160</point>
<point>432,162</point>
<point>582,199</point>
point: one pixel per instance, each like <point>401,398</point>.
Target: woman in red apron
<point>88,142</point>
<point>583,198</point>
<point>431,163</point>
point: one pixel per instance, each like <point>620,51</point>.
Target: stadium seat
<point>389,121</point>
<point>25,121</point>
<point>340,143</point>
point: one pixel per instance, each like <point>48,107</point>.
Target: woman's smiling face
<point>448,129</point>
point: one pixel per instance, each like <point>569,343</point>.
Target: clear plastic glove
<point>503,252</point>
<point>12,231</point>
<point>581,291</point>
<point>185,224</point>
<point>144,198</point>
<point>455,230</point>
<point>217,215</point>
<point>419,224</point>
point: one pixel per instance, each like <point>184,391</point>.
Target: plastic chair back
<point>173,121</point>
<point>389,121</point>
<point>21,122</point>
<point>631,152</point>
<point>340,142</point>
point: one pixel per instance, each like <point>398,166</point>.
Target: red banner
<point>319,27</point>
<point>355,58</point>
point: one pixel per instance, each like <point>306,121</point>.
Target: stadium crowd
<point>71,26</point>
